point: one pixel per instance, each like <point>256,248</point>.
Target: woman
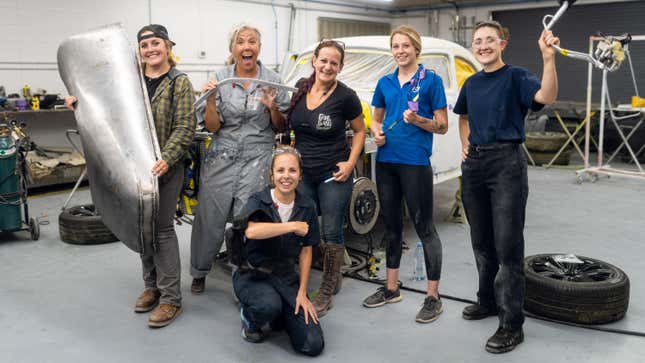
<point>491,108</point>
<point>403,163</point>
<point>171,101</point>
<point>280,225</point>
<point>318,116</point>
<point>244,119</point>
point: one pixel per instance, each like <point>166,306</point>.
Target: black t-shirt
<point>153,83</point>
<point>320,133</point>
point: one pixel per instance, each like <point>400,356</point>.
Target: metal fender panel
<point>101,69</point>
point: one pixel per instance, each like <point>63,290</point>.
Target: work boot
<point>504,340</point>
<point>333,260</point>
<point>147,300</point>
<point>163,315</point>
<point>477,312</point>
<point>198,285</point>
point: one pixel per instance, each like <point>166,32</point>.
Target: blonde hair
<point>233,37</point>
<point>409,32</point>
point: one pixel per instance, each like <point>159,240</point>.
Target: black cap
<point>158,31</point>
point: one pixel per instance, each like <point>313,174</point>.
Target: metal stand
<point>601,168</point>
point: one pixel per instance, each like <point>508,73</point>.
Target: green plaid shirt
<point>175,124</point>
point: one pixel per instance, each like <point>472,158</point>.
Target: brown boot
<point>163,315</point>
<point>147,300</point>
<point>333,260</point>
<point>198,285</point>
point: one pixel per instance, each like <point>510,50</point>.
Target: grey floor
<point>62,303</point>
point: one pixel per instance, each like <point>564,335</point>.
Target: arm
<point>302,301</point>
<point>346,168</point>
<point>265,230</point>
<point>376,126</point>
<point>464,132</point>
<point>211,116</point>
<point>548,93</point>
<point>438,125</point>
<point>182,124</point>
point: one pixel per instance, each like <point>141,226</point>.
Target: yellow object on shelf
<point>638,101</point>
<point>35,103</point>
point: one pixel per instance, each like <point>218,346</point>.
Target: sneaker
<point>430,310</point>
<point>147,301</point>
<point>478,312</point>
<point>504,340</point>
<point>249,332</point>
<point>163,315</point>
<point>381,297</point>
<point>198,285</point>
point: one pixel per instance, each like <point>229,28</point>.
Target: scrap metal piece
<point>102,70</point>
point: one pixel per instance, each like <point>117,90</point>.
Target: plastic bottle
<point>419,263</point>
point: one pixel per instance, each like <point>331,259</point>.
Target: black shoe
<point>249,332</point>
<point>381,297</point>
<point>477,312</point>
<point>430,311</point>
<point>504,340</point>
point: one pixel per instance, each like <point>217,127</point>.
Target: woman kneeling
<point>280,225</point>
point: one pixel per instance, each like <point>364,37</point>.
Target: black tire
<point>545,141</point>
<point>545,157</point>
<point>594,292</point>
<point>34,229</point>
<point>364,206</point>
<point>82,225</point>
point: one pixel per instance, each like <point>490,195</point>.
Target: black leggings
<point>414,183</point>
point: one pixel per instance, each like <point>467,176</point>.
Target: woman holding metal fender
<point>244,118</point>
<point>318,116</point>
<point>171,101</point>
<point>491,106</point>
<point>416,96</point>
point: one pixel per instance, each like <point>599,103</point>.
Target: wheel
<point>545,141</point>
<point>82,225</point>
<point>363,207</point>
<point>575,289</point>
<point>34,229</point>
<point>594,177</point>
<point>545,157</point>
<point>578,179</point>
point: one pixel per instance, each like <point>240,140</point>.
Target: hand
<point>209,86</point>
<point>345,169</point>
<point>308,309</point>
<point>70,102</point>
<point>547,39</point>
<point>464,153</point>
<point>268,97</point>
<point>379,137</point>
<point>410,116</point>
<point>300,228</point>
<point>160,168</point>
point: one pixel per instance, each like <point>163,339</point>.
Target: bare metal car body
<point>101,69</point>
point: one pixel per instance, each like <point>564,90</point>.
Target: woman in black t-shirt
<point>318,116</point>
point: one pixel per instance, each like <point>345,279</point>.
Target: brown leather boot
<point>147,300</point>
<point>163,315</point>
<point>333,260</point>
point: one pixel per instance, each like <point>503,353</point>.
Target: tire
<point>34,229</point>
<point>545,141</point>
<point>82,225</point>
<point>591,292</point>
<point>364,206</point>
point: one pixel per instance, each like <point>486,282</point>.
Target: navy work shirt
<point>496,104</point>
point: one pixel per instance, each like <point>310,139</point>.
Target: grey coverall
<point>236,164</point>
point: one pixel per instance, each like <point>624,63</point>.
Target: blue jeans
<point>494,192</point>
<point>332,199</point>
<point>414,183</point>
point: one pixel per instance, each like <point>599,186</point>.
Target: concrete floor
<point>61,302</point>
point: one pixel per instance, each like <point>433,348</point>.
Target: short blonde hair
<point>409,32</point>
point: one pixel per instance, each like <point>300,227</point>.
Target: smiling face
<point>154,51</point>
<point>488,46</point>
<point>403,50</point>
<point>245,49</point>
<point>285,173</point>
<point>327,64</point>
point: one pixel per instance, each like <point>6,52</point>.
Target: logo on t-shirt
<point>324,122</point>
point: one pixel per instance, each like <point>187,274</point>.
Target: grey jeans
<point>162,269</point>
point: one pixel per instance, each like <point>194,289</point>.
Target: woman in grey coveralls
<point>244,118</point>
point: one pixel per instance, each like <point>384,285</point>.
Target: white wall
<point>33,30</point>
